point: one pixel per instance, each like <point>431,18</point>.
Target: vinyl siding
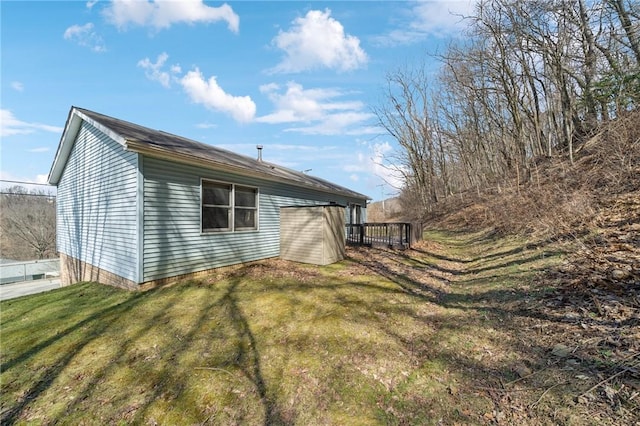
<point>173,243</point>
<point>96,204</point>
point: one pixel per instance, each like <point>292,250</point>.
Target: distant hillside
<point>389,210</point>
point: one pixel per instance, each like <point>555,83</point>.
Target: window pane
<point>215,218</point>
<point>216,194</point>
<point>245,218</point>
<point>245,197</point>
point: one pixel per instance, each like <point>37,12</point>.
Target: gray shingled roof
<point>169,143</point>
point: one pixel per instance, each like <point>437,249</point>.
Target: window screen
<point>216,206</point>
<point>227,207</point>
<point>245,208</point>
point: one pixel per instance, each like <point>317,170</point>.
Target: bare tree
<point>28,224</point>
<point>405,117</point>
<point>529,79</point>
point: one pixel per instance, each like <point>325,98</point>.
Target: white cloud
<point>10,125</point>
<point>162,14</point>
<point>296,104</point>
<point>42,178</point>
<point>339,124</point>
<point>294,156</point>
<point>318,41</point>
<point>91,3</point>
<point>317,107</point>
<point>312,151</point>
<point>211,95</point>
<point>39,149</point>
<point>199,90</point>
<point>154,72</point>
<point>85,36</point>
<point>17,86</point>
<point>430,18</point>
<point>375,162</point>
<point>206,126</point>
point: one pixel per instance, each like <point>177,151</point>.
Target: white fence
<point>28,271</point>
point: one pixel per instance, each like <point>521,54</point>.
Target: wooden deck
<point>393,235</point>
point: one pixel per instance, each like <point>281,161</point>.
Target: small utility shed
<point>138,207</point>
<point>312,234</point>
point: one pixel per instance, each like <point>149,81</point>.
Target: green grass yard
<point>416,337</point>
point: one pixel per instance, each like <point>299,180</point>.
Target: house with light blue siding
<point>138,207</point>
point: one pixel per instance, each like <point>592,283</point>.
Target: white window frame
<point>232,207</point>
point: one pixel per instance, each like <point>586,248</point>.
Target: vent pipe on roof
<point>259,152</point>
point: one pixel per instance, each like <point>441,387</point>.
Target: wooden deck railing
<point>394,235</point>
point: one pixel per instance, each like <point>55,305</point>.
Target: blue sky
<point>299,78</point>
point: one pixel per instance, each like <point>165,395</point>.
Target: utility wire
<point>28,195</point>
<point>24,183</point>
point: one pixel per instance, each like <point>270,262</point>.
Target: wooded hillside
<point>529,83</point>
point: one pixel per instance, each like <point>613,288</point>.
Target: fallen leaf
<point>522,370</point>
<point>610,392</point>
<point>561,351</point>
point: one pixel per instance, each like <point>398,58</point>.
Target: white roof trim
<point>68,138</point>
<point>113,135</point>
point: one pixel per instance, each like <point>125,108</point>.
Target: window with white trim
<point>228,207</point>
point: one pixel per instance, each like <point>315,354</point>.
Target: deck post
<point>408,233</point>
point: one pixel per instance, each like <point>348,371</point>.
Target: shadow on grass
<point>418,293</point>
<point>37,303</point>
<point>489,257</point>
<point>125,345</point>
<point>411,286</point>
<point>71,340</point>
<point>152,310</point>
<point>76,291</point>
<point>95,325</point>
<point>248,358</point>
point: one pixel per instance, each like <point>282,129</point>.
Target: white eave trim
<point>68,138</point>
